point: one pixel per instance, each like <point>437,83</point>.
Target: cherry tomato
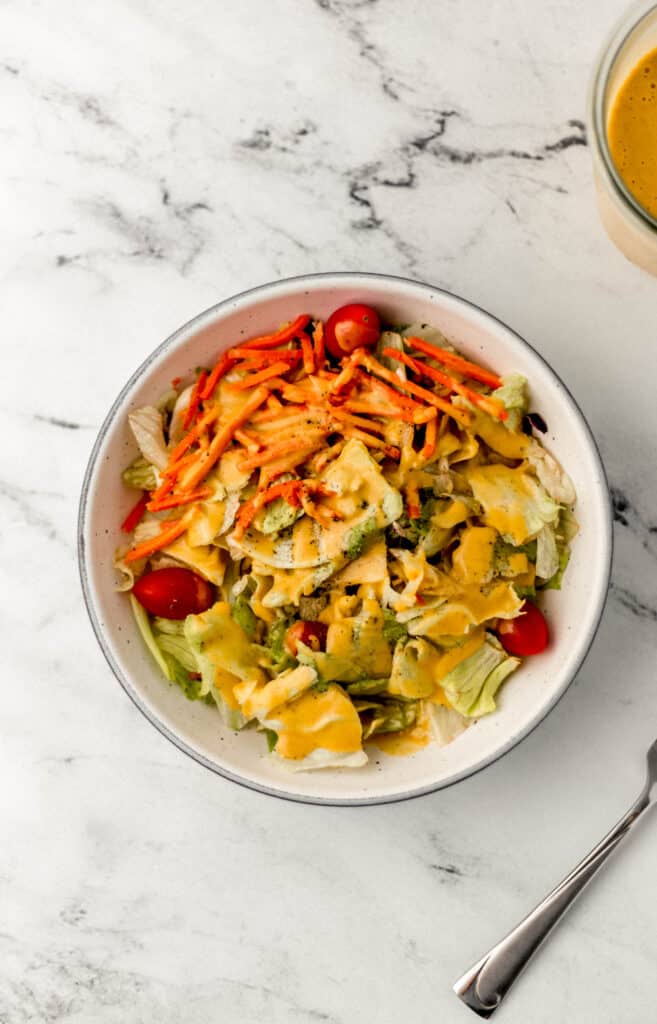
<point>351,327</point>
<point>312,634</point>
<point>528,634</point>
<point>173,593</point>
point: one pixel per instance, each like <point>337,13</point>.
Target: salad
<point>342,535</point>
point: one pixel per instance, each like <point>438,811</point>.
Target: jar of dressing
<point>622,129</point>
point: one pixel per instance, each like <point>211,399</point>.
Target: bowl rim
<point>186,329</point>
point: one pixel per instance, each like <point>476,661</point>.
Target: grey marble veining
<point>156,158</point>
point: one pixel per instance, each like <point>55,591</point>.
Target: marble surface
<point>155,158</point>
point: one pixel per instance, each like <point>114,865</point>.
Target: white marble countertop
<point>157,157</point>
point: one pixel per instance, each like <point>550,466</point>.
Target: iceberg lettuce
<point>471,686</point>
<point>554,479</point>
<point>147,427</point>
<point>140,474</point>
<point>514,502</point>
<point>513,396</point>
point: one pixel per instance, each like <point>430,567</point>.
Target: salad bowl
<point>573,612</point>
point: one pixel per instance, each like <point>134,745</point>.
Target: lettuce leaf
<point>281,659</point>
<point>413,667</point>
<point>387,716</point>
<point>393,629</point>
<point>514,502</point>
<point>367,687</point>
<point>140,474</point>
<point>513,396</point>
<point>241,609</point>
<point>547,555</point>
<point>446,723</point>
<point>554,479</point>
<point>147,427</point>
<point>390,339</point>
<point>472,685</point>
<point>144,627</point>
<point>169,650</point>
<point>555,581</point>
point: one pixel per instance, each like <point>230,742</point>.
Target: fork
<point>485,985</point>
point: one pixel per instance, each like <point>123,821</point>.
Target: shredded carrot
<point>207,459</point>
<point>220,370</point>
<point>248,441</point>
<point>345,377</point>
<point>188,440</point>
<point>292,392</point>
<point>288,463</point>
<point>279,337</point>
<point>413,501</point>
<point>267,415</point>
<point>463,366</point>
<point>372,442</point>
<point>274,403</point>
<point>179,499</point>
<point>283,424</point>
<point>358,421</point>
<point>429,447</point>
<point>254,379</point>
<point>165,488</point>
<point>262,359</point>
<point>308,354</point>
<point>485,402</point>
<point>421,416</point>
<point>320,461</point>
<point>195,399</point>
<point>406,385</point>
<point>170,531</point>
<point>135,514</point>
<point>174,468</point>
<point>320,513</point>
<point>274,452</point>
<point>318,343</point>
<point>401,401</point>
<point>241,352</point>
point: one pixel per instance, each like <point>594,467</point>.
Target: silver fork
<point>485,985</point>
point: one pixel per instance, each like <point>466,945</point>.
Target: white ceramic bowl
<point>526,697</point>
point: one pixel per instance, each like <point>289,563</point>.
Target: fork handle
<point>484,986</point>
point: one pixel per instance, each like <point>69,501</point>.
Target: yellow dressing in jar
<point>632,132</point>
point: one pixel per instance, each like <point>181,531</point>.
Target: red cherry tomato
<point>312,634</point>
<point>173,593</point>
<point>528,634</point>
<point>351,327</point>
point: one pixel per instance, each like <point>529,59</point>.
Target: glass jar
<point>628,225</point>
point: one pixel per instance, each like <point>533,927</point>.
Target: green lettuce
<point>472,685</point>
<point>281,658</point>
<point>393,629</point>
<point>165,641</point>
<point>554,583</point>
<point>242,612</point>
<point>554,479</point>
<point>357,538</point>
<point>147,426</point>
<point>513,396</point>
<point>547,554</point>
<point>390,339</point>
<point>140,474</point>
<point>367,687</point>
<point>386,716</point>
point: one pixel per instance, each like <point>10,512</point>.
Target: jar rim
<point>612,49</point>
